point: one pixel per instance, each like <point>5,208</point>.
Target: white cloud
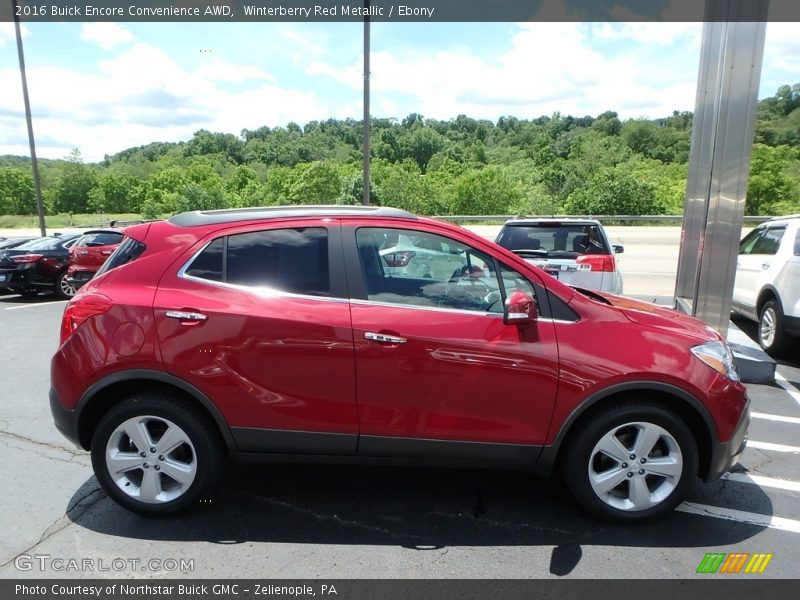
<point>8,37</point>
<point>144,95</point>
<point>549,67</point>
<point>106,35</point>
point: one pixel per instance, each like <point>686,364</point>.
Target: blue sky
<point>104,87</point>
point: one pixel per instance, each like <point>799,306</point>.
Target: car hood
<point>651,315</point>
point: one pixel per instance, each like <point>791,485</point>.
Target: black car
<point>37,266</point>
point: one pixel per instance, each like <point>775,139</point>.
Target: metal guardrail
<point>622,218</point>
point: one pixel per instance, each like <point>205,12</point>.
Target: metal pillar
<point>37,183</point>
<point>719,163</point>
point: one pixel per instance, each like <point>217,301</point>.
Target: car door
<point>438,372</point>
<point>747,271</point>
<point>257,319</point>
<point>757,265</point>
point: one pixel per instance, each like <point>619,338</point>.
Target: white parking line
<point>792,391</point>
<point>774,447</point>
<point>761,481</point>
<point>781,418</point>
<point>740,516</point>
<point>35,305</point>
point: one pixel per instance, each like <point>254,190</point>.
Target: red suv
<point>89,253</point>
<point>280,332</point>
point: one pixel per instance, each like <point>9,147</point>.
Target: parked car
<point>278,333</point>
<point>767,285</point>
<point>89,253</point>
<point>37,266</point>
<point>576,251</point>
<point>13,242</point>
<point>420,256</point>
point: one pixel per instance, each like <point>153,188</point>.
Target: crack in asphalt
<point>324,517</point>
<point>73,461</point>
<point>77,509</point>
<point>45,444</point>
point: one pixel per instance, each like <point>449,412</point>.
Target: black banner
<point>732,588</point>
<point>400,10</point>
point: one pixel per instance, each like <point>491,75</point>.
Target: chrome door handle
<point>764,266</point>
<point>383,338</point>
<point>186,316</point>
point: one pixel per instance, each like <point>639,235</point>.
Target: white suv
<point>767,286</point>
<point>576,251</point>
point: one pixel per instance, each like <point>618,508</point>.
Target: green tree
<point>487,191</point>
<point>615,191</point>
<point>17,196</point>
<point>116,193</point>
<point>771,188</point>
<point>70,192</point>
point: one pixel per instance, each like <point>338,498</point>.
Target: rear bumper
<point>66,421</point>
<point>724,455</point>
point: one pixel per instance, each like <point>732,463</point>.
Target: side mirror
<point>619,248</point>
<point>520,309</point>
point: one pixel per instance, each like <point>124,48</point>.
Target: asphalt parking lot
<point>333,521</point>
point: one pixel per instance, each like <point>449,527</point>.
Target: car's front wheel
<point>771,334</point>
<point>631,462</point>
<point>156,455</point>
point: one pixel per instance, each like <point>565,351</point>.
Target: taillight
<point>398,259</point>
<point>82,308</point>
<point>598,262</point>
<point>26,259</point>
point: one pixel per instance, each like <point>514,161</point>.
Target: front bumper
<point>66,421</point>
<point>724,455</point>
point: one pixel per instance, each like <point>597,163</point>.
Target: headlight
<point>719,357</point>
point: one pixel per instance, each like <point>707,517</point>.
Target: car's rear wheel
<point>771,334</point>
<point>632,462</point>
<point>64,289</point>
<point>156,455</point>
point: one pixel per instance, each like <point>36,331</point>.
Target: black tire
<point>779,344</point>
<point>62,287</point>
<point>581,459</point>
<point>205,451</point>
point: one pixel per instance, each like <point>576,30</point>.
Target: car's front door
<point>756,254</point>
<point>259,321</point>
<point>439,374</point>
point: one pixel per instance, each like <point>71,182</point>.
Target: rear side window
<point>290,260</point>
<point>129,250</point>
<point>101,239</point>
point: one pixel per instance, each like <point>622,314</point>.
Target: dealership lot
<point>337,521</point>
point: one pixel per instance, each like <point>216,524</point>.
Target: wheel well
<point>101,402</point>
<point>688,414</point>
<point>764,297</point>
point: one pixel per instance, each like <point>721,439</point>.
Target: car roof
<point>780,220</point>
<point>212,217</point>
<point>553,221</point>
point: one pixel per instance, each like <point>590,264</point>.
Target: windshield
<point>549,239</point>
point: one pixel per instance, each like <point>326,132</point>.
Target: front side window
<point>290,260</point>
<point>423,269</point>
<point>769,242</point>
<point>748,241</point>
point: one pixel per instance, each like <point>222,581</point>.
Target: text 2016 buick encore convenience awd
<point>294,331</point>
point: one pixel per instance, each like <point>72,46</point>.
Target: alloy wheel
<point>635,466</point>
<point>151,459</point>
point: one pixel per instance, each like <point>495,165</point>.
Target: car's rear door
<point>439,373</point>
<point>257,318</point>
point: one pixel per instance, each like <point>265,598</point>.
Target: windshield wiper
<point>530,251</point>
